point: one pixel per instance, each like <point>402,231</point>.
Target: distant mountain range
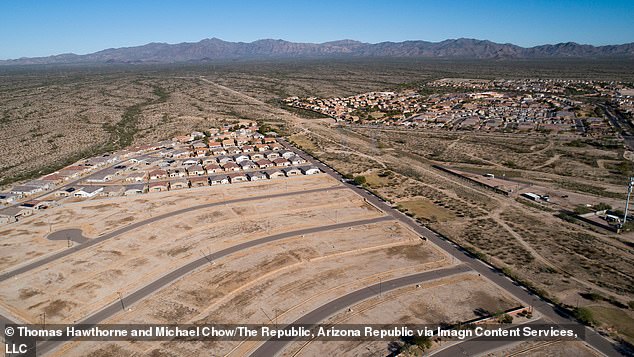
<point>216,49</point>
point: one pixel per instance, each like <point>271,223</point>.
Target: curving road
<point>274,346</point>
<point>555,314</point>
<point>77,236</point>
<point>116,306</point>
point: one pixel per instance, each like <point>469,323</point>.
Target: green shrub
<point>584,316</point>
<point>505,319</point>
<point>359,180</point>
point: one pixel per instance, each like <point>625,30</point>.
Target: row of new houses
<point>221,159</point>
<point>13,214</point>
<point>115,190</point>
<point>215,150</point>
<point>225,166</point>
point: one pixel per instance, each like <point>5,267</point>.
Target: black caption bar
<point>343,332</point>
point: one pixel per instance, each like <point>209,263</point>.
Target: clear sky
<point>31,28</point>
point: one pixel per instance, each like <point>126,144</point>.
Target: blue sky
<point>38,28</point>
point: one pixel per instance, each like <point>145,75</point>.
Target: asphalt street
<point>270,348</point>
<point>553,313</point>
<point>75,235</point>
<point>274,346</point>
<point>138,295</point>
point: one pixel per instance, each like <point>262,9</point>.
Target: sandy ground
<point>26,240</point>
<point>287,279</point>
<point>447,300</point>
<point>69,289</point>
<point>547,349</point>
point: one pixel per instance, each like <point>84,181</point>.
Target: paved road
<point>116,306</point>
<point>553,313</point>
<point>73,182</point>
<point>274,346</point>
<point>53,257</point>
<point>622,125</point>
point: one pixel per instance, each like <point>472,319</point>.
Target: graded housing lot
<point>353,245</point>
<point>70,288</point>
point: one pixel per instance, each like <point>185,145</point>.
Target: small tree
<point>505,319</point>
<point>359,180</point>
<point>584,315</point>
<point>423,342</point>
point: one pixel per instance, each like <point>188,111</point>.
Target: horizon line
<point>303,42</point>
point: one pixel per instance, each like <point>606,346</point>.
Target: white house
<point>25,190</point>
<point>288,154</point>
<point>310,170</point>
<point>218,180</point>
<point>13,214</point>
<point>88,191</point>
<point>240,158</point>
<point>100,177</point>
<point>135,189</point>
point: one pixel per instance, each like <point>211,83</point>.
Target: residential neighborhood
<point>531,105</point>
<point>228,155</point>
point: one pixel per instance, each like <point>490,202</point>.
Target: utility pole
<point>270,319</point>
<point>121,300</point>
<point>627,201</point>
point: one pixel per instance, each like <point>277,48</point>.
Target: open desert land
<point>568,262</point>
<point>52,117</point>
<point>563,261</point>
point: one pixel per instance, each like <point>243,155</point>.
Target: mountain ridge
<point>217,49</point>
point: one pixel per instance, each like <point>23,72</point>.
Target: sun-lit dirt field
<point>285,278</point>
<point>68,289</point>
<point>447,300</point>
<point>26,240</point>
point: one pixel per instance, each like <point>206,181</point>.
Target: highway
<point>74,232</point>
<point>138,295</point>
<point>553,313</point>
<point>274,346</point>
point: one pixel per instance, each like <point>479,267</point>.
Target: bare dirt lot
<point>69,289</point>
<point>286,279</point>
<point>449,300</point>
<point>27,240</point>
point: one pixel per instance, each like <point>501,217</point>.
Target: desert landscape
<point>448,202</point>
